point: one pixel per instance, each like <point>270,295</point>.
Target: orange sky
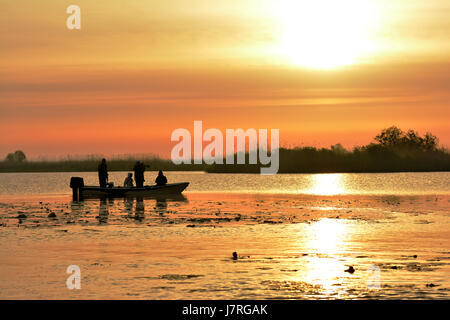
<point>137,70</point>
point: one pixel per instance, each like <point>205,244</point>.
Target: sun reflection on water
<point>327,236</point>
<point>327,239</point>
<point>327,184</point>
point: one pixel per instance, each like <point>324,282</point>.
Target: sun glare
<point>328,238</point>
<point>327,184</point>
<point>324,34</point>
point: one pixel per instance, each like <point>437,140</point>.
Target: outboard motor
<point>76,183</point>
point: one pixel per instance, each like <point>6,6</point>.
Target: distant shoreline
<point>167,165</point>
<point>291,161</point>
<point>392,151</point>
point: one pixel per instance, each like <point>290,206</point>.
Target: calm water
<point>320,184</point>
<point>295,235</point>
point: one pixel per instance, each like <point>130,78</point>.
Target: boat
<point>80,191</point>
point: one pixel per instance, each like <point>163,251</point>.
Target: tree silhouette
<point>18,156</point>
<point>390,137</point>
<point>395,139</point>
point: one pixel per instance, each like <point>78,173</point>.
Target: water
<point>319,184</point>
<point>295,235</point>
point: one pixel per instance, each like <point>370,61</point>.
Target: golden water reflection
<point>327,184</point>
<point>327,236</point>
<point>326,241</point>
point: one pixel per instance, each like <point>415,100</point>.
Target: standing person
<point>161,179</point>
<point>103,173</point>
<point>139,169</point>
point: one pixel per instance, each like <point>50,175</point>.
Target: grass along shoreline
<point>298,160</point>
<point>393,150</point>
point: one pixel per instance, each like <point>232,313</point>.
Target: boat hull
<point>146,191</point>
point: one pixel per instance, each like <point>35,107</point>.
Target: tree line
<point>392,150</point>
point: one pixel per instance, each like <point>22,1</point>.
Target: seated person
<point>128,183</point>
<point>160,179</point>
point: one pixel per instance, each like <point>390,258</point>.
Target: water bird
<point>350,269</point>
<point>394,267</point>
<point>235,256</point>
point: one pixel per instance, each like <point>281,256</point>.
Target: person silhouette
<point>161,179</point>
<point>103,173</point>
<point>139,169</point>
<point>128,183</point>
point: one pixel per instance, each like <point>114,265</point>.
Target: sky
<point>322,72</point>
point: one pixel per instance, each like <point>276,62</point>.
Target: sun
<point>324,34</point>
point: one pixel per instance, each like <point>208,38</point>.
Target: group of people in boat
<point>139,169</point>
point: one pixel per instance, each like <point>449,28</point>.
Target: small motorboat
<point>80,191</point>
